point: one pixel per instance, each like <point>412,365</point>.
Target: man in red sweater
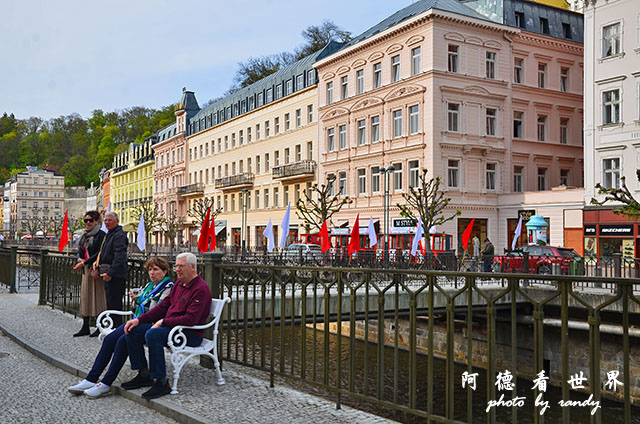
<point>189,304</point>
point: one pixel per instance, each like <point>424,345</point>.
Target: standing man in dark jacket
<point>487,255</point>
<point>188,304</point>
<point>111,263</point>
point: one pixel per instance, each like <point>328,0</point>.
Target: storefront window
<point>479,230</point>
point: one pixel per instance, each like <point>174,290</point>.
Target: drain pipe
<point>581,325</point>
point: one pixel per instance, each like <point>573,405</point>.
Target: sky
<point>67,56</point>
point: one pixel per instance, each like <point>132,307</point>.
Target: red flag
<point>64,237</point>
<point>324,237</point>
<point>354,241</point>
<point>212,234</point>
<point>203,239</point>
<point>467,234</point>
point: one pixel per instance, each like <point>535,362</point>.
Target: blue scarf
<point>150,294</point>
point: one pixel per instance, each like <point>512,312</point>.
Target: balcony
<point>294,171</point>
<point>235,182</point>
<point>191,190</point>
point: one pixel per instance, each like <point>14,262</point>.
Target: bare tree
<point>170,227</point>
<point>319,205</point>
<point>626,204</point>
<point>36,222</point>
<point>153,217</point>
<point>199,208</point>
<point>429,202</point>
<point>55,225</point>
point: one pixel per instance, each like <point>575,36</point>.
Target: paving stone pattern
<point>33,391</point>
<point>246,396</point>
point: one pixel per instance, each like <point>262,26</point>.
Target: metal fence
<point>402,339</point>
<point>399,341</point>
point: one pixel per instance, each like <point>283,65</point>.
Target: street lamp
<point>385,207</point>
<point>245,193</point>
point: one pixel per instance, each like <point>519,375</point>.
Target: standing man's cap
<point>486,240</point>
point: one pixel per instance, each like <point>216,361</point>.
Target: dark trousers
<point>114,290</point>
<point>156,339</point>
<point>487,264</point>
<point>114,349</point>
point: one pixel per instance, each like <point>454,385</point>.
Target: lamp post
<point>245,193</point>
<point>385,207</point>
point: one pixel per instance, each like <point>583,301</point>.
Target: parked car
<point>541,259</point>
<point>306,252</point>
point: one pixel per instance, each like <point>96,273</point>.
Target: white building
<point>611,117</point>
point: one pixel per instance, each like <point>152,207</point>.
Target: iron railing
<point>191,188</point>
<point>399,341</point>
<point>305,167</point>
<point>235,180</point>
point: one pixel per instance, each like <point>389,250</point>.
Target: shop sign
<point>404,222</point>
<point>616,230</point>
<point>526,214</point>
<point>340,232</point>
<point>589,230</point>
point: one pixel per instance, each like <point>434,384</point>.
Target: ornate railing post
<point>213,277</point>
<point>14,269</point>
<point>42,300</point>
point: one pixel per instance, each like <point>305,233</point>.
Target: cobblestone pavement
<point>33,391</point>
<point>246,396</point>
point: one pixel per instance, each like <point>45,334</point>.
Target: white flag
<point>268,233</point>
<point>516,235</point>
<point>417,238</point>
<point>141,241</point>
<point>373,238</point>
<point>285,227</point>
<point>104,227</point>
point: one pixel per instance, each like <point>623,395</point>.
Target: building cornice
<point>408,25</point>
<point>550,42</point>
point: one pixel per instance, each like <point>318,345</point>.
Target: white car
<point>306,252</point>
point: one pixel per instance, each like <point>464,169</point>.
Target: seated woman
<point>114,346</point>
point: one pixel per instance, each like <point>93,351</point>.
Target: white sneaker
<point>79,388</point>
<point>97,391</point>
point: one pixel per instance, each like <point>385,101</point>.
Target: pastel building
<point>256,151</point>
<point>612,121</point>
<point>131,182</point>
<point>33,194</point>
<point>170,190</point>
<point>492,107</point>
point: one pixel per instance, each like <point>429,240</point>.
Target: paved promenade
<point>35,388</point>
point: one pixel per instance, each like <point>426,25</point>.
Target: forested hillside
<point>77,148</point>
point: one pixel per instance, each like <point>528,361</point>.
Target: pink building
<point>170,168</point>
<point>493,109</point>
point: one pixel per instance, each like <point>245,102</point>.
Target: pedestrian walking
<point>114,345</point>
<point>487,255</point>
<point>111,263</point>
<point>92,294</point>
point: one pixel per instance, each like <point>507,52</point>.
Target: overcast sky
<point>66,56</point>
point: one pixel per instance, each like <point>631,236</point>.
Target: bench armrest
<point>178,340</point>
<point>104,322</point>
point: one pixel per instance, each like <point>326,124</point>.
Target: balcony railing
<point>191,189</point>
<point>302,168</point>
<point>235,180</point>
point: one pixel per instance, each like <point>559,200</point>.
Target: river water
<point>289,356</point>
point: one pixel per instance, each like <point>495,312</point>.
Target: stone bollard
<point>13,271</point>
<point>213,276</point>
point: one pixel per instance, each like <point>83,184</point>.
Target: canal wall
<point>611,354</point>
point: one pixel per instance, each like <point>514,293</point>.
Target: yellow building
<point>563,4</point>
<point>131,181</point>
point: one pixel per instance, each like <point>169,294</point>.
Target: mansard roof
<point>413,10</point>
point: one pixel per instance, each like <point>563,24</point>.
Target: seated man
<point>189,303</point>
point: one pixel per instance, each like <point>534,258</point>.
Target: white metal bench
<point>177,340</point>
<point>104,322</point>
<point>181,353</point>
